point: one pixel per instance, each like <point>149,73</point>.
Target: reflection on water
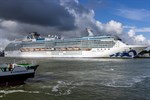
<point>83,78</point>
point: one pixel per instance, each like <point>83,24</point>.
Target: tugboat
<point>16,73</point>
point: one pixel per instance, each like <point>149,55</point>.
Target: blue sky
<point>131,13</point>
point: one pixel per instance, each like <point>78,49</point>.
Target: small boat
<point>16,73</point>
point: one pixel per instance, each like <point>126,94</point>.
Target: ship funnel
<point>90,32</point>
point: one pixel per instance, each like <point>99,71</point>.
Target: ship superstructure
<point>54,46</point>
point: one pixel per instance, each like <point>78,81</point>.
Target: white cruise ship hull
<point>93,46</point>
<point>127,51</point>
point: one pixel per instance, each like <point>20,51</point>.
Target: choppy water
<point>84,79</point>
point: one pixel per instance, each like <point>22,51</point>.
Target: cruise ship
<point>53,46</point>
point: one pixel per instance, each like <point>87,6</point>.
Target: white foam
<point>46,87</point>
<point>68,92</point>
<point>35,92</point>
<point>112,69</point>
<point>63,88</point>
<point>6,92</point>
<point>55,88</point>
<point>60,82</point>
<point>1,96</point>
<point>109,84</point>
<point>126,82</point>
<point>11,91</point>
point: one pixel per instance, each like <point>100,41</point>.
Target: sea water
<point>83,79</point>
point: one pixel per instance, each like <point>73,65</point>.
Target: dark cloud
<point>37,12</point>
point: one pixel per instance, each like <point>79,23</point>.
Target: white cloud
<point>99,25</point>
<point>8,24</point>
<point>140,38</point>
<point>86,20</point>
<point>128,27</point>
<point>137,39</point>
<point>142,30</point>
<point>113,27</point>
<point>131,33</point>
<point>134,14</point>
<point>146,29</point>
<point>3,43</point>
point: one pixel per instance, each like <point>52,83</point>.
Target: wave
<point>6,92</point>
<point>62,88</point>
<point>109,77</point>
<point>126,82</point>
